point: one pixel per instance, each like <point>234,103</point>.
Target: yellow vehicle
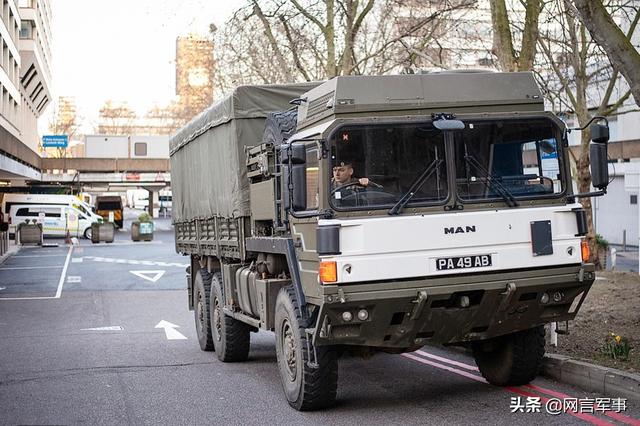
<point>111,203</point>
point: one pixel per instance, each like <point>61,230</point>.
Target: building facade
<point>25,84</point>
<point>194,72</point>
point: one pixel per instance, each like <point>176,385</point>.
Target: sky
<point>123,49</point>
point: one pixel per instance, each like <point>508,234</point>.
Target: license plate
<point>463,262</point>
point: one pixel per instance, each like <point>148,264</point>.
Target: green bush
<point>145,217</point>
<point>601,242</point>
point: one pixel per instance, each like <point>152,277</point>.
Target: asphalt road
<point>79,345</point>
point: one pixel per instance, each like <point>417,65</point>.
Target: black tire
<point>231,338</point>
<point>511,360</point>
<point>201,309</point>
<point>305,387</point>
<point>280,126</point>
<point>87,233</point>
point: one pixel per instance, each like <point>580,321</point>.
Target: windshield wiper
<point>506,195</point>
<point>420,180</point>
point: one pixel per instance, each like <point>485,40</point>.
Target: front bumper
<point>406,314</point>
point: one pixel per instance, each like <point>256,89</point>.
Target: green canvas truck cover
<point>208,172</point>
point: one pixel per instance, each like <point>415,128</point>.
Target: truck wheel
<point>279,126</point>
<point>201,309</point>
<point>231,338</point>
<point>306,387</point>
<point>511,360</point>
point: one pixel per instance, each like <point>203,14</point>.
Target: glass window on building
<point>140,149</point>
<point>633,199</point>
<point>26,29</point>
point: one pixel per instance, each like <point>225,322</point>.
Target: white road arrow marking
<point>152,276</point>
<point>2,288</point>
<point>109,328</point>
<point>170,330</point>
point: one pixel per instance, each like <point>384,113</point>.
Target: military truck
<point>381,213</point>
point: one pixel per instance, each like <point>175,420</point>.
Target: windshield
<point>82,208</point>
<point>109,205</point>
<point>374,166</point>
<point>507,159</point>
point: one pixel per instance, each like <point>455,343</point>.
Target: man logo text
<point>459,230</point>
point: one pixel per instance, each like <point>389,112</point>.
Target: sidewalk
<point>13,249</point>
<point>626,261</point>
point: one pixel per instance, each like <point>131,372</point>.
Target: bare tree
<point>64,122</point>
<point>578,79</point>
<point>116,118</point>
<point>320,39</point>
<point>621,52</point>
<point>505,24</point>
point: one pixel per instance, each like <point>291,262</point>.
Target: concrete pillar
<point>154,203</point>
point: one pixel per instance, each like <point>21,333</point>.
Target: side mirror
<point>296,152</point>
<point>598,157</point>
<point>599,133</point>
<point>294,182</point>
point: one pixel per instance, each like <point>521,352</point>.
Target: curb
<point>13,249</point>
<point>590,377</point>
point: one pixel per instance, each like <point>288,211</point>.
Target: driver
<point>343,175</point>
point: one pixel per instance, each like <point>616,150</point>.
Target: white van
<point>56,219</point>
<point>10,199</point>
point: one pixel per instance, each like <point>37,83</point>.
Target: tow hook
<point>507,296</point>
<point>419,305</point>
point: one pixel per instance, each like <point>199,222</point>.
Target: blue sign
<point>55,141</point>
<point>548,148</point>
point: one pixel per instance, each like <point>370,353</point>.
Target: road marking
<point>2,288</point>
<point>64,273</point>
<point>135,262</point>
<point>170,330</point>
<point>139,243</point>
<point>30,267</point>
<point>518,390</point>
<point>586,417</point>
<point>449,361</point>
<point>152,276</point>
<point>108,328</point>
<point>77,260</point>
<point>41,255</point>
<point>74,279</point>
<point>60,282</point>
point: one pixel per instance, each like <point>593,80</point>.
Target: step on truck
<point>379,214</point>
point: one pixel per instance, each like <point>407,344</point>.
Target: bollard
<point>613,258</point>
<point>624,240</point>
<point>552,335</point>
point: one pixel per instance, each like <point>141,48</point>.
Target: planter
<point>29,234</point>
<point>142,231</point>
<point>104,231</point>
